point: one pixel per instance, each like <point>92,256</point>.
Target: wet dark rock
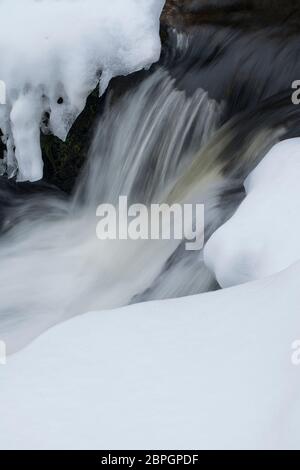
<point>63,160</point>
<point>241,13</point>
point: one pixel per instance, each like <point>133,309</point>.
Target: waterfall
<point>142,145</point>
<point>160,142</point>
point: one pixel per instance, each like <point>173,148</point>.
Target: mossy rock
<point>63,160</point>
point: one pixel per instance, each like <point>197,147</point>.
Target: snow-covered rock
<point>212,371</point>
<point>52,55</point>
<point>263,236</point>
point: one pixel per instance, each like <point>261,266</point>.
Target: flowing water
<point>166,140</point>
<point>52,264</point>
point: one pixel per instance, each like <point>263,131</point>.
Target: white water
<point>53,266</point>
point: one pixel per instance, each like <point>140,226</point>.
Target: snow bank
<point>263,236</point>
<point>52,55</point>
<point>214,371</point>
<point>210,371</point>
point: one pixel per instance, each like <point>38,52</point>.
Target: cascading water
<point>198,127</point>
<point>167,140</point>
<point>54,248</point>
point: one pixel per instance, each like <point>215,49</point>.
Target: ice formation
<point>262,238</point>
<point>53,53</point>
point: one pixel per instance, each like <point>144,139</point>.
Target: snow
<point>64,50</point>
<point>210,371</point>
<point>262,237</point>
<point>214,371</point>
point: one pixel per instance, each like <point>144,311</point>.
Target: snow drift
<point>213,371</point>
<point>51,65</point>
<point>262,238</point>
<point>205,372</point>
